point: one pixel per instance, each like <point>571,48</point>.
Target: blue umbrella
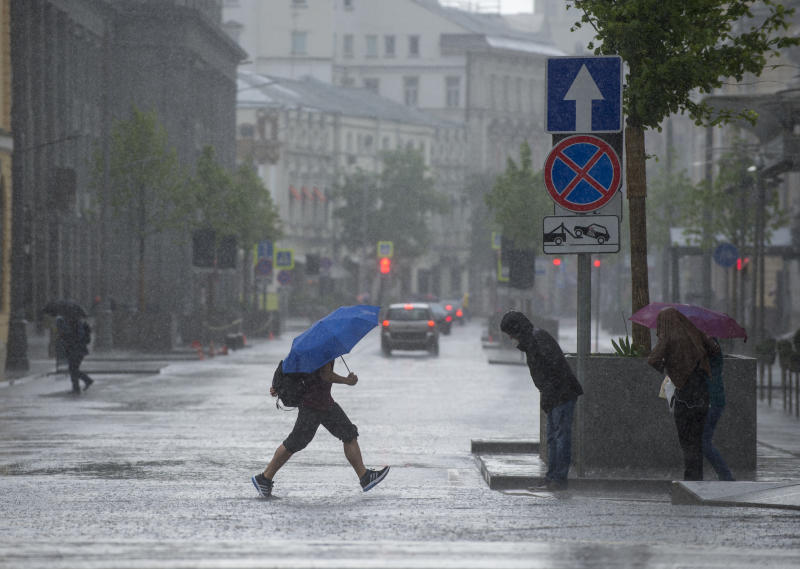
<point>330,337</point>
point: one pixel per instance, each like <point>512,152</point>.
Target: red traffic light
<point>597,263</point>
<point>741,264</point>
<point>557,262</point>
<point>386,265</point>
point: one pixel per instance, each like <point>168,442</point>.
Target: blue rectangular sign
<point>584,94</point>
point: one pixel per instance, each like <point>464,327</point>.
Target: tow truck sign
<point>563,235</point>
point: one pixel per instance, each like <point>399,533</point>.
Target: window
<point>299,43</point>
<point>347,45</point>
<point>388,46</point>
<point>348,4</point>
<point>411,90</point>
<point>372,46</point>
<point>453,92</point>
<point>413,46</point>
<point>372,84</point>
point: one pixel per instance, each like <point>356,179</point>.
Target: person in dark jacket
<point>684,353</point>
<point>558,387</point>
<point>74,336</point>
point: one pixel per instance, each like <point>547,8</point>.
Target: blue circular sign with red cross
<point>582,173</point>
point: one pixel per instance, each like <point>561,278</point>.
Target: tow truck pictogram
<point>559,233</point>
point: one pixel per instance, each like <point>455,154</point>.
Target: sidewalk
<point>511,464</point>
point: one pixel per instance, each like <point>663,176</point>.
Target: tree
<point>232,205</point>
<point>674,50</point>
<point>258,215</point>
<point>732,198</point>
<point>146,189</point>
<point>393,205</point>
<point>519,200</point>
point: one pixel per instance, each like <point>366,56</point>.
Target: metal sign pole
<point>584,336</point>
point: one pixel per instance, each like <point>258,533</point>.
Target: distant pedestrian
<point>716,405</point>
<point>559,390</point>
<point>74,337</point>
<point>684,353</point>
<point>318,408</point>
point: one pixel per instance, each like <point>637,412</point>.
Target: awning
<point>295,194</point>
<point>318,194</point>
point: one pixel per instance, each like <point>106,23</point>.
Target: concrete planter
<point>622,425</point>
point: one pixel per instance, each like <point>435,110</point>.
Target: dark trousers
<point>691,406</point>
<point>559,441</point>
<point>75,373</point>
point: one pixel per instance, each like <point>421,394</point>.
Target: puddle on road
<point>153,469</point>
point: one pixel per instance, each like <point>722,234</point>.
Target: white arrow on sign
<point>583,91</point>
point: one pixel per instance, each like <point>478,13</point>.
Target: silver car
<point>409,326</point>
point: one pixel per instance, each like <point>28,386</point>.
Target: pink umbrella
<point>711,322</point>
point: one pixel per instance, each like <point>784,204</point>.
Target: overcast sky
<point>516,6</point>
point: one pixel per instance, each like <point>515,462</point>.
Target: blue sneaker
<point>263,485</point>
<point>373,477</point>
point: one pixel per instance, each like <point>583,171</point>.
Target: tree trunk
<point>141,295</point>
<point>637,193</point>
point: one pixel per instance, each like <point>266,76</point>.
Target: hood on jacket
<point>517,325</point>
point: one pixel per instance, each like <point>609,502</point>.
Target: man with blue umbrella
<point>313,353</point>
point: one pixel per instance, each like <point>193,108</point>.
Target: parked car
<point>453,307</point>
<point>444,320</point>
<point>409,326</point>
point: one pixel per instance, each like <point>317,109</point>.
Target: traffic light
<point>556,262</point>
<point>597,263</point>
<point>385,265</point>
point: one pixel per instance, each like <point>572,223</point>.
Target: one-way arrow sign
<point>584,94</point>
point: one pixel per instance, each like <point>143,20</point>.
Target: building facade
<point>78,68</point>
<point>306,135</point>
<point>6,188</point>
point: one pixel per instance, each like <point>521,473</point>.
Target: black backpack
<point>85,333</point>
<point>290,387</point>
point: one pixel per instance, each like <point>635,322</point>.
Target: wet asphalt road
<point>154,471</point>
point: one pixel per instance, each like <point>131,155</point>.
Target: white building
<point>304,135</point>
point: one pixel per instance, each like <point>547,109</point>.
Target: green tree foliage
<point>394,205</point>
<point>232,204</point>
<point>146,189</point>
<point>519,200</point>
<point>672,51</point>
<point>732,199</point>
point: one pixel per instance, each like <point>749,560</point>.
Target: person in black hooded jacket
<point>558,387</point>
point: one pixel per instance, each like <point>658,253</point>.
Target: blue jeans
<point>559,440</point>
<point>709,451</point>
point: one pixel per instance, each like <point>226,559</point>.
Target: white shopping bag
<point>668,392</point>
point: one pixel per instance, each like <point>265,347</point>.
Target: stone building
<point>78,67</point>
<point>306,134</point>
<point>6,188</point>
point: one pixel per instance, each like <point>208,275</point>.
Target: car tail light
<point>431,323</point>
<point>448,318</point>
<point>448,307</point>
<point>385,323</point>
<point>409,307</point>
<point>459,313</point>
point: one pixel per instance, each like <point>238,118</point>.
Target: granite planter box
<point>622,425</point>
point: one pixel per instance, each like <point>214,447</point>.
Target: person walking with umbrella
<point>313,352</point>
<point>684,352</point>
<point>74,337</point>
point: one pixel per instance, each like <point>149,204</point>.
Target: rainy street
<point>154,471</point>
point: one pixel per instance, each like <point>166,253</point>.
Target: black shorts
<point>309,420</point>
